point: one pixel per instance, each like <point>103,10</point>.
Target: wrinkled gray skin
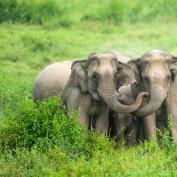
<point>171,101</point>
<point>51,80</point>
<point>155,71</point>
<point>94,83</point>
<point>125,126</point>
<point>126,129</point>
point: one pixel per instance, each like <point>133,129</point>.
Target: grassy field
<point>41,140</point>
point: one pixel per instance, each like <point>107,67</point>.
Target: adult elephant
<point>51,80</point>
<point>93,86</point>
<point>54,77</point>
<point>154,71</point>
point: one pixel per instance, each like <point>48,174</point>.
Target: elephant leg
<point>102,121</point>
<point>140,133</point>
<point>172,113</point>
<point>149,125</point>
<point>85,106</point>
<point>119,121</point>
<point>112,127</point>
<point>131,134</point>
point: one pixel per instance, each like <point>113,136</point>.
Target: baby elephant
<point>93,86</point>
<point>125,126</point>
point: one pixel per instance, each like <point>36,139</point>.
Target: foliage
<point>59,13</point>
<point>44,124</point>
<point>37,12</point>
<point>40,139</point>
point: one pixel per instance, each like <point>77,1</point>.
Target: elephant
<point>171,101</point>
<point>124,126</point>
<point>93,86</point>
<point>155,73</point>
<point>51,80</point>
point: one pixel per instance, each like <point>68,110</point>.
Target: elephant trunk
<point>156,99</point>
<point>108,93</point>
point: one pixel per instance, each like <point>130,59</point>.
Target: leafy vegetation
<point>40,139</point>
<point>57,13</point>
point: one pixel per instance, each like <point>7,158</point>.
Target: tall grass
<point>41,139</point>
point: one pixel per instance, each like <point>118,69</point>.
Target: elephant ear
<point>127,71</point>
<point>77,61</point>
<point>78,74</point>
<point>92,58</point>
<point>135,65</point>
<point>173,67</point>
<point>123,65</point>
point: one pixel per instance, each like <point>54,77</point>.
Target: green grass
<point>41,140</point>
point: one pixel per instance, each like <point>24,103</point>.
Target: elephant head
<point>104,75</point>
<point>153,72</point>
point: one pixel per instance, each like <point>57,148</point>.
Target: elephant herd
<point>127,98</point>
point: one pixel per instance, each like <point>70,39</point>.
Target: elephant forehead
<point>106,63</point>
<point>105,70</point>
<point>156,55</point>
<point>156,67</point>
<point>102,59</point>
<point>157,74</point>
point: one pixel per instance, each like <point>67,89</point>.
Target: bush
<point>149,11</point>
<point>37,12</point>
<point>43,124</point>
<point>64,14</point>
<point>112,12</point>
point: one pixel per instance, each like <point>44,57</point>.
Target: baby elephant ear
<point>135,65</point>
<point>134,62</point>
<point>79,74</point>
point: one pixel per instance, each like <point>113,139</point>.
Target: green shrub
<point>44,124</point>
<point>66,13</point>
<point>150,10</point>
<point>112,12</point>
<point>43,12</point>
